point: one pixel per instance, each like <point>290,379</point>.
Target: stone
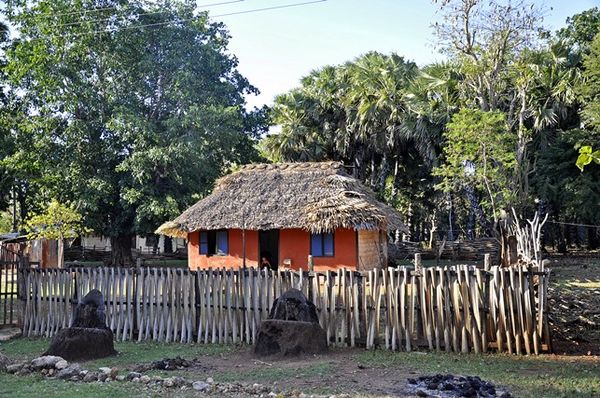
<point>90,377</point>
<point>294,306</point>
<point>290,338</point>
<point>133,375</point>
<point>14,368</point>
<point>145,379</point>
<point>90,312</point>
<point>4,361</point>
<point>120,378</point>
<point>45,362</point>
<point>200,386</point>
<point>61,365</point>
<point>210,380</point>
<point>102,376</point>
<point>77,343</point>
<point>173,382</point>
<point>88,337</point>
<point>105,370</point>
<point>68,372</point>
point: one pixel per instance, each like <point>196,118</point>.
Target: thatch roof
<point>317,197</point>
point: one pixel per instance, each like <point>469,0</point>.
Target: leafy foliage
<point>479,153</point>
<point>137,107</point>
<point>57,221</point>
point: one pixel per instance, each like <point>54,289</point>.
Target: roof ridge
<point>335,165</point>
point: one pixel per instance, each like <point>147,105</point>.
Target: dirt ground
<point>574,304</point>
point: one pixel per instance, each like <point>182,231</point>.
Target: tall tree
<point>136,105</point>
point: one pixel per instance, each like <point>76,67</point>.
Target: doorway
<point>268,246</point>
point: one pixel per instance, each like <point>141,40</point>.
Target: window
<point>214,243</point>
<point>321,245</point>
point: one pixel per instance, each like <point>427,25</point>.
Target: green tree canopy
<point>132,109</point>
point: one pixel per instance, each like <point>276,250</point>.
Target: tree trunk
<point>168,244</point>
<point>121,250</point>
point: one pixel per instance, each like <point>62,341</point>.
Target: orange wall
<point>235,257</point>
<point>294,244</point>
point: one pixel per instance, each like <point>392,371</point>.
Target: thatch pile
<point>317,197</point>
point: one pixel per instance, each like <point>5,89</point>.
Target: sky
<point>276,48</point>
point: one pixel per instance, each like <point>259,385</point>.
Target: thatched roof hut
<point>316,197</point>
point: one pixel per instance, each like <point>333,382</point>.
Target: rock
<point>14,368</point>
<point>145,379</point>
<point>88,337</point>
<point>89,313</point>
<point>23,371</point>
<point>102,376</point>
<point>4,362</point>
<point>290,338</point>
<point>210,380</point>
<point>45,362</point>
<point>76,343</point>
<point>51,372</point>
<point>62,364</point>
<point>200,386</point>
<point>68,372</point>
<point>90,377</point>
<point>133,375</point>
<point>120,378</point>
<point>294,306</point>
<point>173,382</point>
<point>421,393</point>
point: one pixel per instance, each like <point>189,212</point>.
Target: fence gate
<point>9,304</point>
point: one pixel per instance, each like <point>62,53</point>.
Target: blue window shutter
<point>203,242</point>
<point>328,245</point>
<point>316,245</point>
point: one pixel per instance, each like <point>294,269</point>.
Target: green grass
<point>35,386</point>
<point>130,353</point>
<point>534,376</point>
<point>274,373</point>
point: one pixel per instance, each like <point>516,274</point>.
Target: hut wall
<point>294,244</point>
<point>235,257</point>
<point>372,249</point>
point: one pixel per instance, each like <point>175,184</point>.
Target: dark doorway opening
<point>268,247</point>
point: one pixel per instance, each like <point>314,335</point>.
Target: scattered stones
<point>447,386</point>
<point>200,386</point>
<point>45,362</point>
<point>166,364</point>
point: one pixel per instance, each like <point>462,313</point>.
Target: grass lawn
<point>533,376</point>
<point>541,376</point>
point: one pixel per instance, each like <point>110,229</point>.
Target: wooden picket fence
<point>459,308</point>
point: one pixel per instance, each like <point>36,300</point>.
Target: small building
<point>284,213</point>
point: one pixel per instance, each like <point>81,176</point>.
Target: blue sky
<point>276,48</point>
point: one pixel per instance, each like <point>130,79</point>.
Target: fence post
<point>418,264</point>
<point>487,261</point>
